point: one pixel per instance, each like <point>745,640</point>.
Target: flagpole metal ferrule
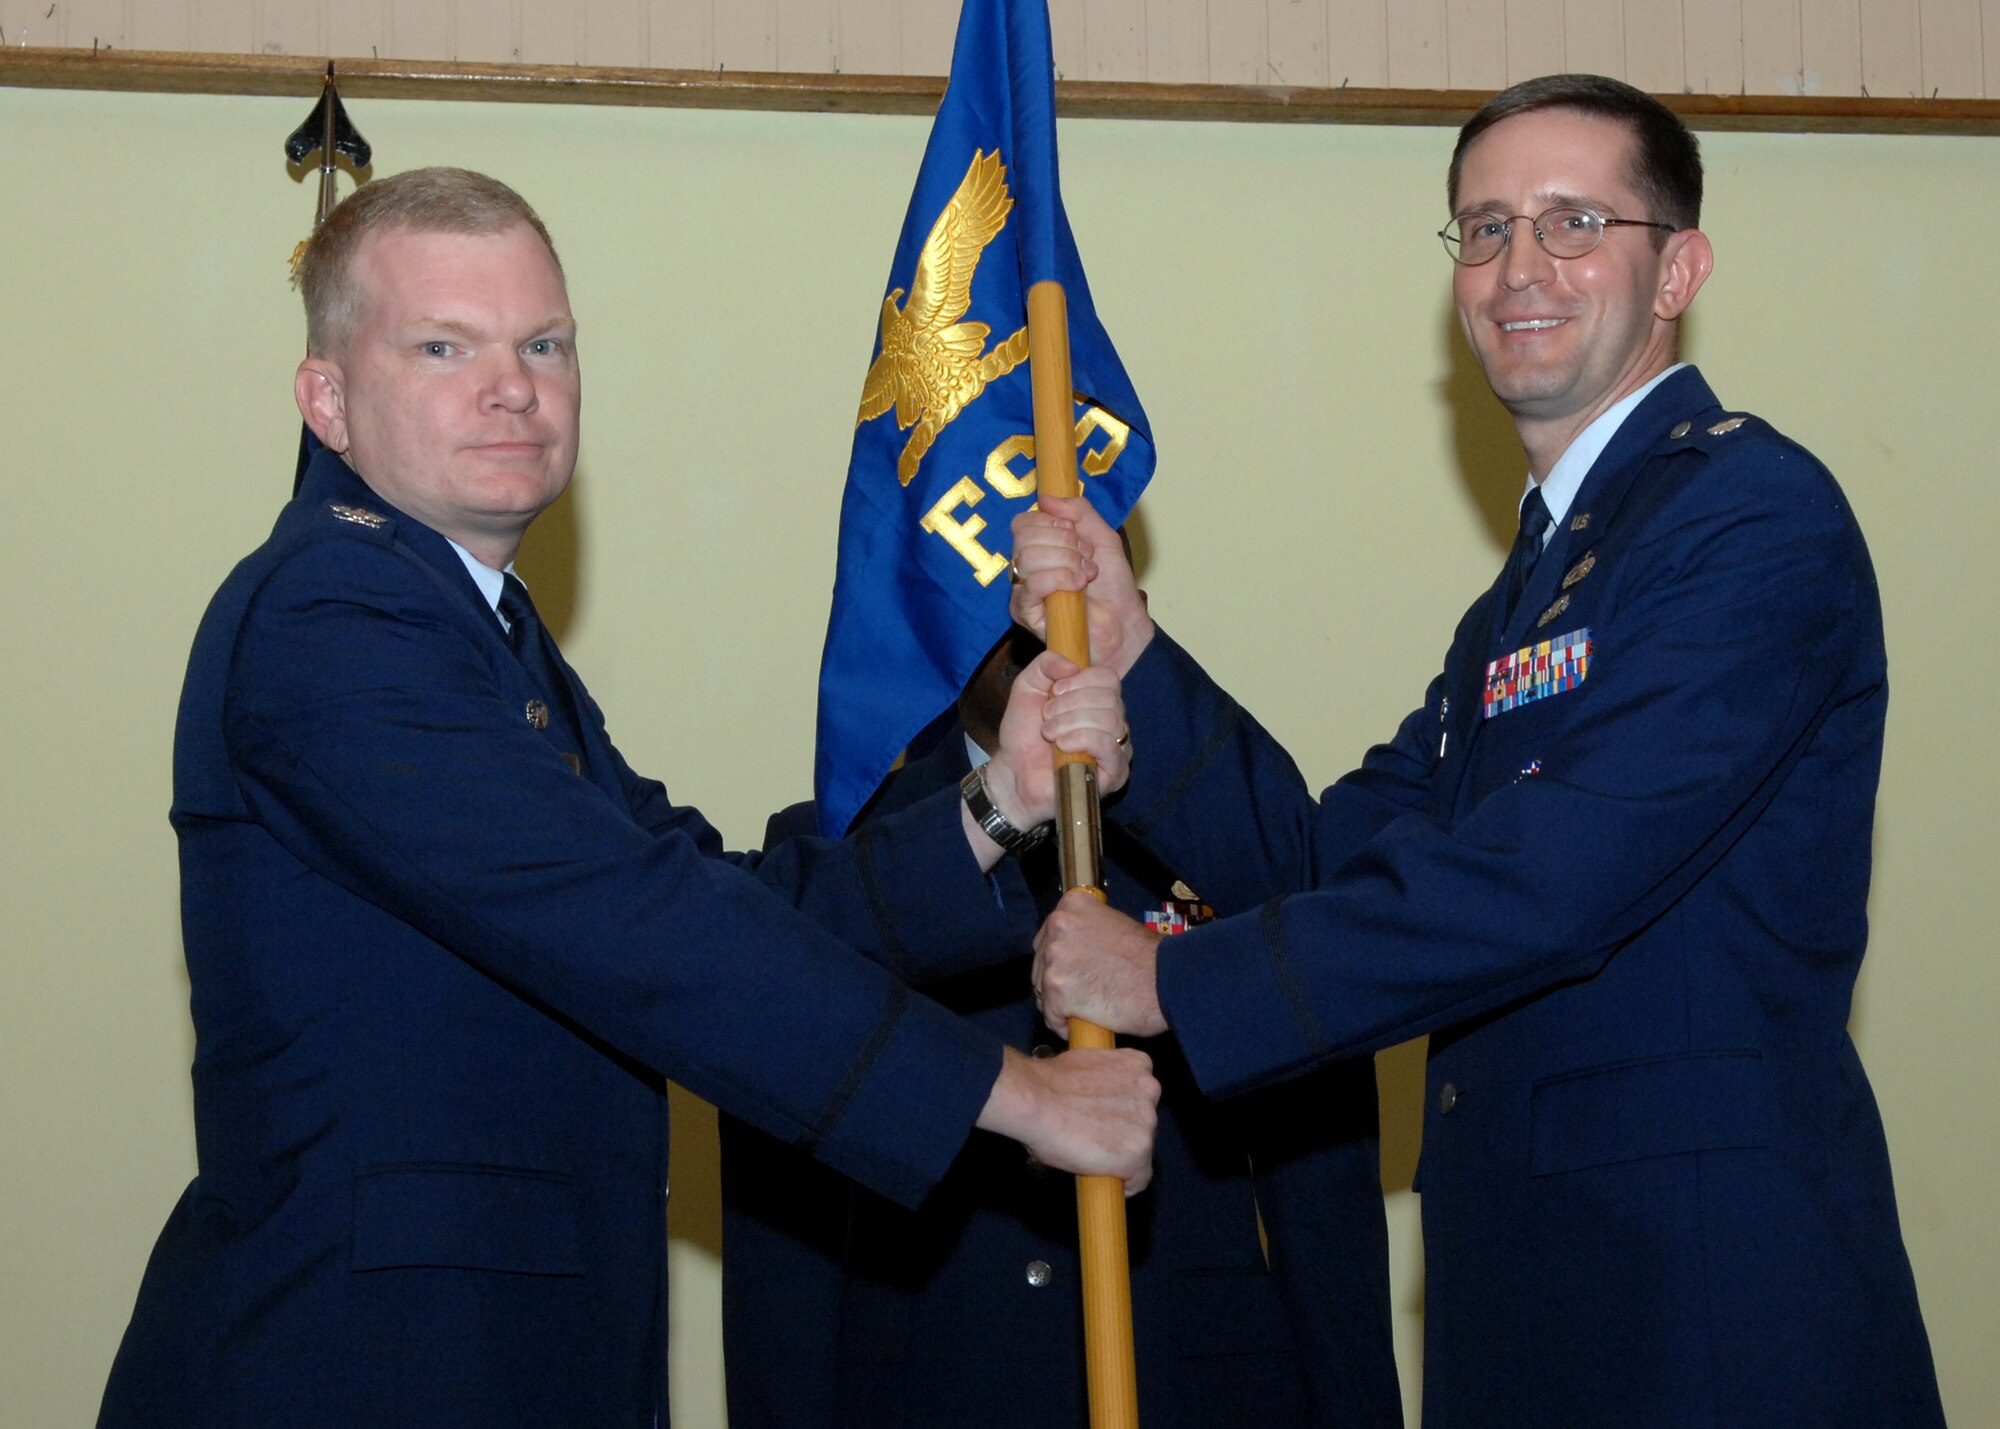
<point>1079,828</point>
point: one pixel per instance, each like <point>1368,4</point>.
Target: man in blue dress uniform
<point>1615,864</point>
<point>841,1307</point>
<point>445,946</point>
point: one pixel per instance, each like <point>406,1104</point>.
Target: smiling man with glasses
<point>1615,863</point>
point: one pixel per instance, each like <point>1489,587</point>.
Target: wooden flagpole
<point>1100,1200</point>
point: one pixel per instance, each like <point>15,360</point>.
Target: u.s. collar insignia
<point>1581,569</point>
<point>1727,425</point>
<point>373,520</point>
<point>538,715</point>
<point>1557,607</point>
<point>1580,523</point>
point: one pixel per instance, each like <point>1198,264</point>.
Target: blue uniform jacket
<point>438,977</point>
<point>842,1308</point>
<point>1630,914</point>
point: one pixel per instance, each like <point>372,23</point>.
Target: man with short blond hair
<point>445,947</point>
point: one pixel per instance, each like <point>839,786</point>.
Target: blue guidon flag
<point>944,440</point>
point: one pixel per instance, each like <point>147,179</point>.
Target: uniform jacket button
<point>1447,1098</point>
<point>1042,1052</point>
<point>1039,1273</point>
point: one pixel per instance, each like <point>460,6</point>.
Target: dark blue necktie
<point>537,654</point>
<point>1527,549</point>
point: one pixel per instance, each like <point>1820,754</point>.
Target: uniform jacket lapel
<point>1642,436</point>
<point>331,479</point>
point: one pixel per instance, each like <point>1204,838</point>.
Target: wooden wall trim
<point>176,73</point>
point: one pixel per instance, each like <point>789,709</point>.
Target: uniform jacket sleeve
<point>1720,641</point>
<point>901,888</point>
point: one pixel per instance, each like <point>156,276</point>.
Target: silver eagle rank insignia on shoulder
<point>358,515</point>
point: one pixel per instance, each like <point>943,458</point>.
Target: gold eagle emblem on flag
<point>932,365</point>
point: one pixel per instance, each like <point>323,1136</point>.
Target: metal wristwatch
<point>996,825</point>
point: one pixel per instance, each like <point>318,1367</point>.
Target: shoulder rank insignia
<point>373,520</point>
<point>1581,569</point>
<point>1535,672</point>
<point>1726,426</point>
<point>1556,607</point>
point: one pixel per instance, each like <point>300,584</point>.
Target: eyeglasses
<point>1475,238</point>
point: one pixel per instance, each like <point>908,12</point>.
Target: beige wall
<point>1332,483</point>
<point>1886,48</point>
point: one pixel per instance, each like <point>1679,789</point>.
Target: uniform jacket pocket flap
<point>1664,1106</point>
<point>467,1218</point>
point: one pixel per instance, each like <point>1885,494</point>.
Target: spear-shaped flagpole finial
<point>328,132</point>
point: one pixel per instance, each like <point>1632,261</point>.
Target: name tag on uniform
<point>1536,672</point>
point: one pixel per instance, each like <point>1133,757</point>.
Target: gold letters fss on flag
<point>944,449</point>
